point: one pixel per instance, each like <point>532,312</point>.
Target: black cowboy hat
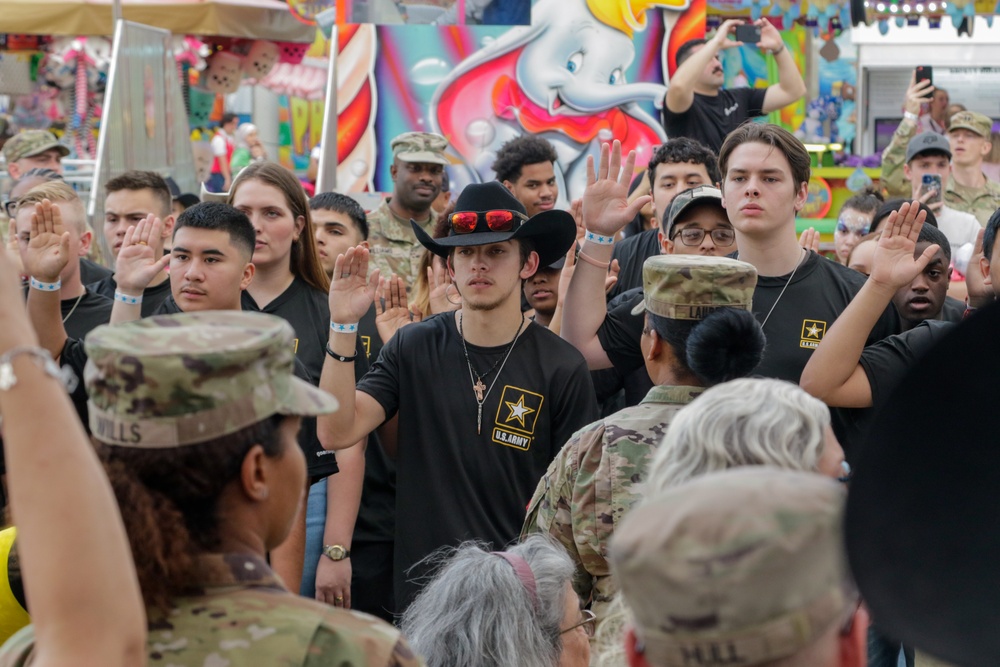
<point>551,232</point>
<point>923,509</point>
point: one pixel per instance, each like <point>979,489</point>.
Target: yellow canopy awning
<point>253,19</point>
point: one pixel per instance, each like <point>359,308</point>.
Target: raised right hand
<point>606,209</point>
<point>137,263</point>
<point>917,94</point>
<point>48,250</point>
<point>351,289</point>
<point>894,264</point>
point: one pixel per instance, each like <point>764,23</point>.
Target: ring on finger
<point>142,243</point>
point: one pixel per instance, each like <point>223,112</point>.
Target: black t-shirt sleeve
<point>381,382</point>
<point>75,357</point>
<point>575,407</point>
<point>621,332</point>
<point>751,99</point>
<point>886,361</point>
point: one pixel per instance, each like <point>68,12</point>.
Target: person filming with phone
<point>699,107</point>
<point>928,169</point>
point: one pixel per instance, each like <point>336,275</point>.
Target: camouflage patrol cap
<point>31,142</point>
<point>689,287</point>
<point>703,194</point>
<point>173,380</point>
<point>424,147</point>
<point>744,566</point>
<point>971,121</point>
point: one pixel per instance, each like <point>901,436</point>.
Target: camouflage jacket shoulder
<point>892,178</point>
<point>245,617</point>
<point>980,202</point>
<point>596,478</point>
<point>394,248</point>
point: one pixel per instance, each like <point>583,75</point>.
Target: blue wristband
<point>599,239</point>
<point>125,298</point>
<point>45,287</point>
<point>343,328</point>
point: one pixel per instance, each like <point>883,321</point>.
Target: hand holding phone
<point>924,73</point>
<point>748,33</point>
<point>930,183</point>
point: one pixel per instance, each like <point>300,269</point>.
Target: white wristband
<point>45,287</point>
<point>126,298</point>
<point>909,115</point>
<point>343,328</point>
<point>599,239</point>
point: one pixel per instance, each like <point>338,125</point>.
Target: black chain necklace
<point>482,392</point>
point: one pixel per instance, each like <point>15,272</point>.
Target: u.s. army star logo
<point>516,417</point>
<point>812,333</point>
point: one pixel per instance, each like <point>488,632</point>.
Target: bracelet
<point>340,357</point>
<point>600,239</point>
<point>127,298</point>
<point>593,262</point>
<point>40,356</point>
<point>45,287</point>
<point>775,52</point>
<point>343,328</point>
<point>909,115</point>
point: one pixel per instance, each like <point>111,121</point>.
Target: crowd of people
<point>484,432</point>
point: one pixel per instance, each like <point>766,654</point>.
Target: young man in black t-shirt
<point>81,310</point>
<point>799,294</point>
<point>355,509</point>
<point>485,398</point>
<point>130,199</point>
<point>696,104</point>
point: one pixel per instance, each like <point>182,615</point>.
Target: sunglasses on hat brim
<point>502,220</point>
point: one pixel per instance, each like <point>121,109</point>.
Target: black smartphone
<point>748,33</point>
<point>924,73</point>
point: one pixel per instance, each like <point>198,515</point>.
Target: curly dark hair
<point>682,149</point>
<point>518,152</point>
<point>169,497</point>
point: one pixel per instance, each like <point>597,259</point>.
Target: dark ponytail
<point>726,345</point>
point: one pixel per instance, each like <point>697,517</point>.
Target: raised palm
<point>351,289</point>
<point>894,263</point>
<point>606,209</point>
<point>138,263</point>
<point>391,308</point>
<point>48,248</point>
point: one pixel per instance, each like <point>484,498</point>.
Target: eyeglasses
<point>465,222</point>
<point>588,623</point>
<point>695,235</point>
<point>10,208</point>
<point>843,228</point>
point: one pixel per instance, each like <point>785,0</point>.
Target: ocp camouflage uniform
<point>394,248</point>
<point>980,202</point>
<point>244,616</point>
<point>892,178</point>
<point>595,479</point>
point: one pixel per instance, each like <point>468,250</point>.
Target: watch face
<point>336,552</point>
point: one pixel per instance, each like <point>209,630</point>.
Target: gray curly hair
<point>476,612</point>
<point>752,421</point>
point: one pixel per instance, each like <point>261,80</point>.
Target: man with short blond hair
<point>969,133</point>
<point>82,308</point>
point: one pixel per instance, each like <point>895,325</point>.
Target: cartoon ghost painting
<point>562,78</point>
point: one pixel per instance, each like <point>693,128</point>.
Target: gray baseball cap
<point>927,142</point>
